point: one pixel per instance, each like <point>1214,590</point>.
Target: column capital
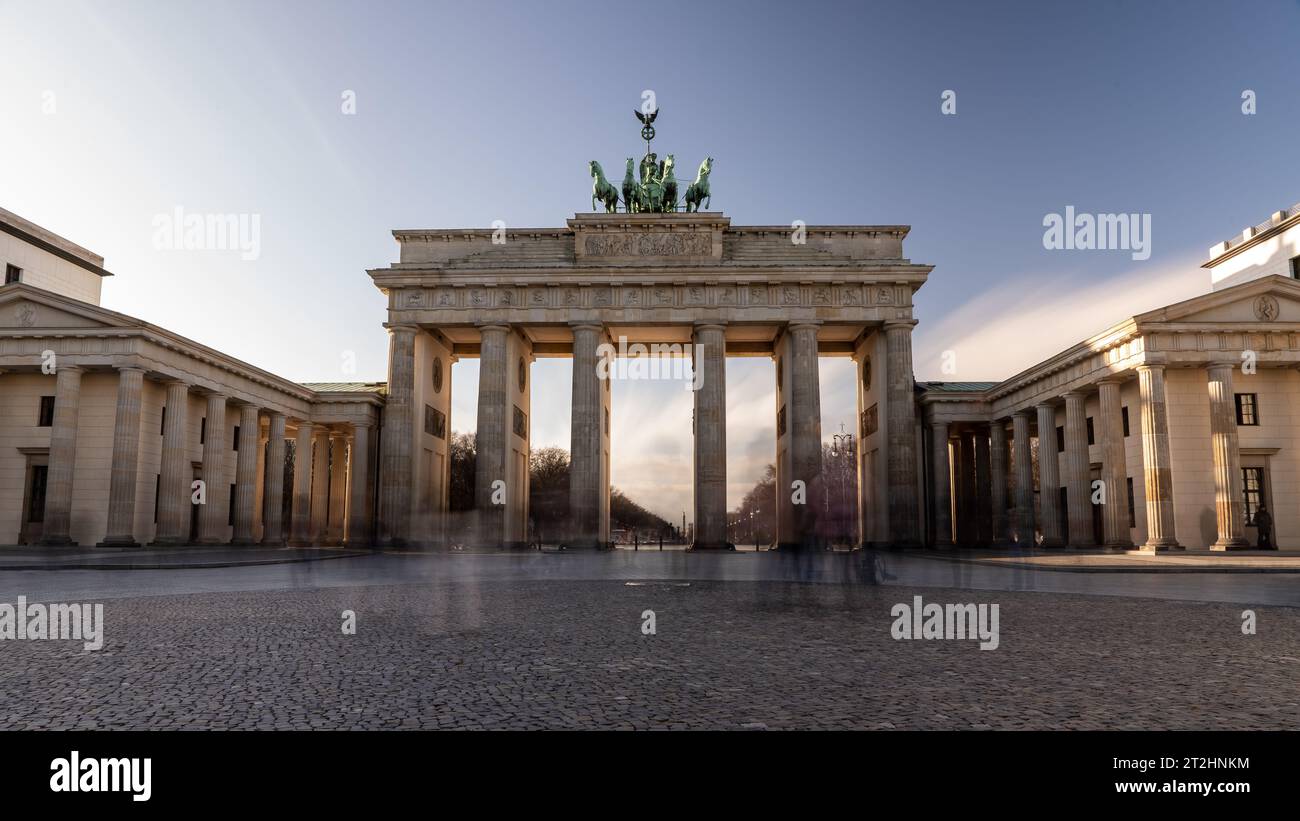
<point>585,323</point>
<point>1046,404</point>
<point>1221,366</point>
<point>363,425</point>
<point>69,368</point>
<point>1023,413</point>
<point>709,324</point>
<point>394,327</point>
<point>900,324</point>
<point>805,323</point>
<point>492,326</point>
<point>1153,367</point>
<point>1077,393</point>
<point>1110,380</point>
<point>121,368</point>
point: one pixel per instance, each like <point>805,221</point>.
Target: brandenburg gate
<point>693,279</point>
<point>650,273</point>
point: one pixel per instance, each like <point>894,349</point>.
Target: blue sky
<point>472,112</point>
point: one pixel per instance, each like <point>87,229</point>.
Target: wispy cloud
<point>1025,320</point>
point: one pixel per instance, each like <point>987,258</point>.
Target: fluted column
<point>320,486</point>
<point>126,460</point>
<point>901,413</point>
<point>1078,479</point>
<point>397,439</point>
<point>246,472</point>
<point>1229,507</point>
<point>273,500</point>
<point>493,421</point>
<point>358,532</point>
<point>998,481</point>
<point>805,420</point>
<point>1114,465</point>
<point>57,529</point>
<point>1049,478</point>
<point>1155,460</point>
<point>175,473</point>
<point>338,487</point>
<point>585,439</point>
<point>711,438</point>
<point>300,532</point>
<point>1022,519</point>
<point>942,485</point>
<point>214,514</point>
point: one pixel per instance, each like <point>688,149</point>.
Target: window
<point>13,274</point>
<point>203,429</point>
<point>1091,440</point>
<point>1247,409</point>
<point>162,428</point>
<point>45,418</point>
<point>1252,485</point>
<point>1132,510</point>
<point>1123,413</point>
<point>230,516</point>
<point>1060,440</point>
<point>157,486</point>
<point>236,437</point>
<point>1295,267</point>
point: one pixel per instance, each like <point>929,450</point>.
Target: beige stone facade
<point>1166,431</point>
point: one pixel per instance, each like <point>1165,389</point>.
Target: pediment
<point>1270,299</point>
<point>27,308</point>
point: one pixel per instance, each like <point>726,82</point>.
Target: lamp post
<point>841,446</point>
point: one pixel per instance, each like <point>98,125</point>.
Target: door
<point>34,501</point>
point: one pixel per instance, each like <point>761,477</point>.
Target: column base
<point>712,546</point>
<point>1230,544</point>
<point>1157,547</point>
<point>58,541</point>
<point>118,541</point>
<point>170,541</point>
<point>1119,545</point>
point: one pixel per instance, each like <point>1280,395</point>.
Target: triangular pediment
<point>23,307</point>
<point>1268,299</point>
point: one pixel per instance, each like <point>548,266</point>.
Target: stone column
<point>63,457</point>
<point>338,487</point>
<point>585,450</point>
<point>358,534</point>
<point>1229,501</point>
<point>983,510</point>
<point>1049,478</point>
<point>493,421</point>
<point>273,507</point>
<point>397,439</point>
<point>175,473</point>
<point>711,437</point>
<point>1022,518</point>
<point>1155,460</point>
<point>942,485</point>
<point>125,474</point>
<point>1115,513</point>
<point>1078,479</point>
<point>320,485</point>
<point>250,446</point>
<point>901,413</point>
<point>998,481</point>
<point>300,534</point>
<point>215,512</point>
<point>805,420</point>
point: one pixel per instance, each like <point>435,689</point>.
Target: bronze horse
<point>601,189</point>
<point>698,191</point>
